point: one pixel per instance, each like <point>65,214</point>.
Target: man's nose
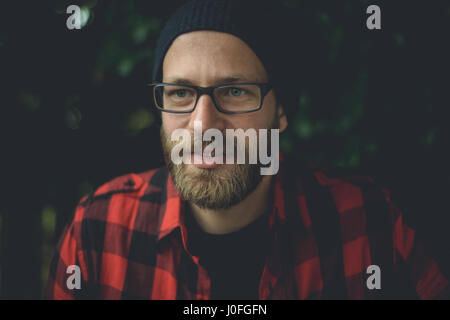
<point>207,113</point>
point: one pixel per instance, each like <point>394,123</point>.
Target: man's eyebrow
<point>231,79</point>
<point>228,79</point>
<point>179,81</point>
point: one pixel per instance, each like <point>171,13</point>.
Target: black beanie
<point>261,24</point>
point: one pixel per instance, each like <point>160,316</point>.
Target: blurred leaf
<point>399,39</point>
<point>30,101</point>
<point>353,103</point>
<point>429,137</point>
<point>48,219</point>
<point>286,144</point>
<point>125,67</point>
<point>73,118</point>
<point>139,120</point>
<point>84,188</point>
<point>351,156</point>
<point>335,45</point>
<point>323,18</point>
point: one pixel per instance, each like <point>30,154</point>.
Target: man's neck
<point>223,221</point>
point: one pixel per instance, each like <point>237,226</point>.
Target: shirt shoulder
<point>331,176</point>
<point>352,188</point>
<point>124,193</point>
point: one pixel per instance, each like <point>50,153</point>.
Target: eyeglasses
<point>228,98</point>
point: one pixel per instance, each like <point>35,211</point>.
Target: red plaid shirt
<point>130,241</point>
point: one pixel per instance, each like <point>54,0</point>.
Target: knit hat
<point>261,24</point>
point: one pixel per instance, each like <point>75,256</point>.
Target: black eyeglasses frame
<point>264,89</point>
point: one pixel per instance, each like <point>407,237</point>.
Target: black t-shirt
<point>234,261</point>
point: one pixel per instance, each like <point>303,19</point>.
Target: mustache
<point>202,144</point>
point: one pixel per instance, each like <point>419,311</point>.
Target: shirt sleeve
<point>68,271</point>
<point>424,272</point>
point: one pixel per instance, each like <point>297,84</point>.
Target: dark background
<point>75,111</point>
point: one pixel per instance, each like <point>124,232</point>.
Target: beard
<point>213,188</point>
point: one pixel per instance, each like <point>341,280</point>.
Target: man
<point>210,229</point>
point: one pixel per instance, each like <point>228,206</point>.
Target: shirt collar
<point>172,210</point>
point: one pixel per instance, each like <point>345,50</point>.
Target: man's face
<point>208,58</point>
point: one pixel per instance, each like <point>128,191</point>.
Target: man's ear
<point>282,119</point>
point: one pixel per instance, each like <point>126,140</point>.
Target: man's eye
<point>181,93</point>
<point>236,92</point>
<point>178,93</point>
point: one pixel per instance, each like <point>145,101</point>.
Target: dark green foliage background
<point>75,110</point>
